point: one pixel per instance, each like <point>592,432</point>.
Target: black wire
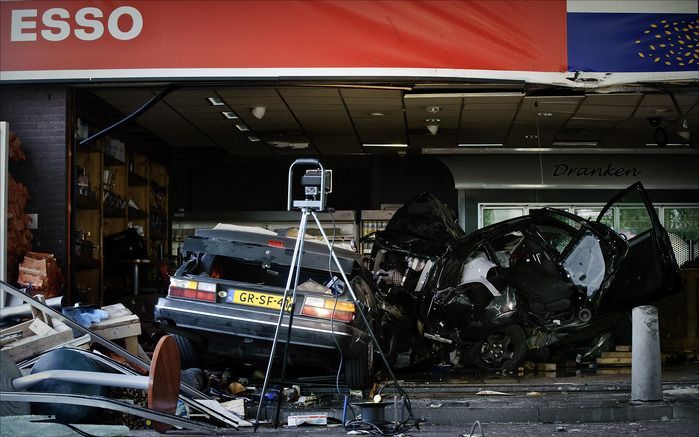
<point>72,427</point>
<point>332,315</point>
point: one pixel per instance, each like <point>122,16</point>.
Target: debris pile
<point>40,273</point>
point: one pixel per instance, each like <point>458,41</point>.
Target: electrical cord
<point>384,428</point>
<point>332,315</point>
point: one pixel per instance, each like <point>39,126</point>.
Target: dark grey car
<point>226,297</point>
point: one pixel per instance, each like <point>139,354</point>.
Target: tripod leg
<point>300,237</point>
<point>294,262</point>
<point>357,304</point>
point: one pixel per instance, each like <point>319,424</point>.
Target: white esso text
<point>87,25</point>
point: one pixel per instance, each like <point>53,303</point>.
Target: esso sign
<point>87,24</point>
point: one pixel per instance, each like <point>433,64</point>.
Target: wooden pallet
<point>121,324</point>
<point>621,357</point>
<point>30,338</point>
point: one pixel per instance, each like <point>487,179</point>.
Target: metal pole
<point>646,377</point>
<point>295,263</point>
<point>4,178</point>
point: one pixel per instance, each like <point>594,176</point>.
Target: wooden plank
<point>20,328</point>
<point>38,327</point>
<point>623,348</point>
<point>131,345</point>
<point>116,310</point>
<point>548,367</point>
<point>34,345</point>
<point>619,371</point>
<point>117,332</point>
<point>616,354</point>
<point>114,322</point>
<point>613,361</point>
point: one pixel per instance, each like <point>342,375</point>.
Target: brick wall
<point>37,114</point>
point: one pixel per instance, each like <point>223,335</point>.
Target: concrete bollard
<point>646,377</point>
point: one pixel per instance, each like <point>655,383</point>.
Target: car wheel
<point>189,352</point>
<point>359,369</point>
<point>501,349</point>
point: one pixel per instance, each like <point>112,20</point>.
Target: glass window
<point>682,225</point>
<point>496,215</point>
<point>555,237</point>
<point>633,221</point>
<point>591,213</point>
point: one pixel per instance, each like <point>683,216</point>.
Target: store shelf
<point>116,182</point>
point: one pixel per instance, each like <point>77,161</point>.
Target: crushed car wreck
<point>526,284</point>
<point>225,299</point>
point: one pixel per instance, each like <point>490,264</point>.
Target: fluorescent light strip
<point>241,127</point>
<point>459,95</point>
<point>576,143</point>
<point>386,145</point>
<point>230,115</point>
<point>215,101</point>
<point>253,138</point>
<point>668,144</point>
<point>480,145</point>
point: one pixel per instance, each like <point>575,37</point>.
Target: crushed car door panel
<point>649,269</point>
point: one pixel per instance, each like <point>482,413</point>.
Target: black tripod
<point>309,206</point>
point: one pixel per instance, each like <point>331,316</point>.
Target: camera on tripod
<point>316,183</point>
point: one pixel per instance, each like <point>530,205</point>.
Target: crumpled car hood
<point>423,218</point>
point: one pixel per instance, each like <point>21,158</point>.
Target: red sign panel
<point>88,35</point>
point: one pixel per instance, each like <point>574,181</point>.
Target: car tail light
<point>323,308</point>
<point>192,290</point>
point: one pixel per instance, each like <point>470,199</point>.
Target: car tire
<point>189,352</point>
<point>360,368</point>
<point>501,349</point>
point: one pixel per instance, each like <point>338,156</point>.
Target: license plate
<point>257,299</point>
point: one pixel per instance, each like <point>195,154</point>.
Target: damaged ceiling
<point>350,118</point>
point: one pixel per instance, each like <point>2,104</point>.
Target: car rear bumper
<point>252,323</point>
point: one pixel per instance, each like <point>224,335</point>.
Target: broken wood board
<point>547,367</point>
<point>612,371</point>
<point>33,337</point>
<point>614,361</point>
<point>121,323</point>
<point>616,354</point>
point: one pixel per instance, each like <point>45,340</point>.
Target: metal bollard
<point>646,377</point>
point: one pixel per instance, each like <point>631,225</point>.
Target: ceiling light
<point>544,114</point>
<point>258,112</point>
<point>460,95</point>
<point>377,114</point>
<point>215,101</point>
<point>241,127</point>
<point>433,109</point>
<point>669,144</point>
<point>287,145</point>
<point>386,145</point>
<point>480,145</point>
<point>253,138</point>
<point>530,137</point>
<point>230,115</point>
<point>432,128</point>
<point>432,120</point>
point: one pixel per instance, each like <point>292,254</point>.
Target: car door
<point>649,270</point>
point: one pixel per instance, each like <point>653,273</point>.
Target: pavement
<point>584,404</point>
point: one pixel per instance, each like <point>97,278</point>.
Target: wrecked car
<point>224,301</point>
<point>526,284</point>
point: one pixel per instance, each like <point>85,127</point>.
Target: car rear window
<point>254,272</point>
